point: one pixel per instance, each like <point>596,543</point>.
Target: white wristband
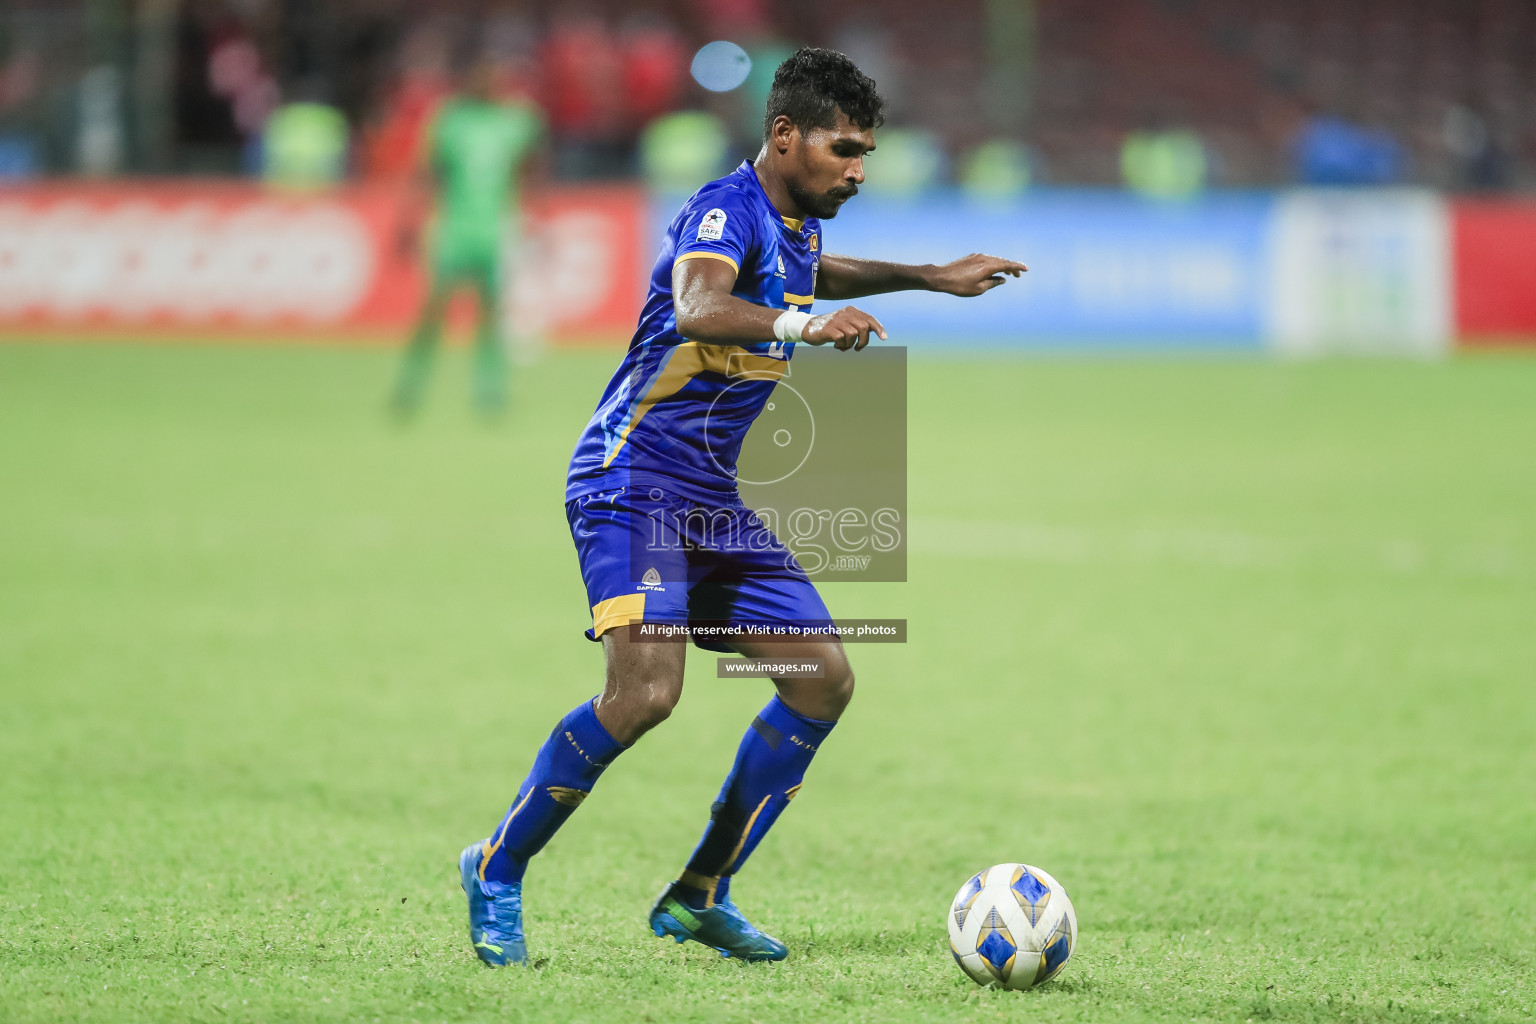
<point>789,325</point>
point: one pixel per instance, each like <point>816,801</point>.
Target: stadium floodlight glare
<point>721,66</point>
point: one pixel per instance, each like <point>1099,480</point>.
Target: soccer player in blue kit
<point>660,529</point>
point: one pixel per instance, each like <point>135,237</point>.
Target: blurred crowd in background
<point>1167,97</point>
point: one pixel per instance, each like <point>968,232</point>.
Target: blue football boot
<point>495,913</point>
<point>721,927</point>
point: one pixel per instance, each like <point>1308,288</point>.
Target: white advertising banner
<point>1360,272</point>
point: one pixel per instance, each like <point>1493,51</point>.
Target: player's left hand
<point>974,274</point>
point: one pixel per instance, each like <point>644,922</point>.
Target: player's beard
<point>821,205</point>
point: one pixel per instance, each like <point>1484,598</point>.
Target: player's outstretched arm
<point>847,277</point>
<point>708,312</point>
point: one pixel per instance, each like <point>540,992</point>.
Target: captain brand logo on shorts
<point>712,228</point>
<point>651,578</point>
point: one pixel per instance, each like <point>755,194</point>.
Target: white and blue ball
<point>1012,926</point>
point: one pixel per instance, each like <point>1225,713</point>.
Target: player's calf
<point>769,768</point>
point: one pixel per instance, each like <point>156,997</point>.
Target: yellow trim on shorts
<point>799,300</point>
<point>708,256</point>
<point>617,611</point>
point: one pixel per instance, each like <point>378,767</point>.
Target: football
<point>1012,926</point>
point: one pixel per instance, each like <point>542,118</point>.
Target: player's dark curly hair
<point>813,84</point>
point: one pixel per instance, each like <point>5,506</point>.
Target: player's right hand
<point>847,328</point>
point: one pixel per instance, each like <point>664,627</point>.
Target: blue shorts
<point>649,556</point>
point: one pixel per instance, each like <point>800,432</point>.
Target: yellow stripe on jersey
<point>687,361</point>
<point>708,256</point>
<point>799,300</point>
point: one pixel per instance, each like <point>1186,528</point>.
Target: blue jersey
<point>676,412</point>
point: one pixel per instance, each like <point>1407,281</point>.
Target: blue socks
<point>770,763</point>
<point>563,774</point>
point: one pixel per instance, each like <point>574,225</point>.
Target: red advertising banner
<point>234,260</point>
<point>1494,268</point>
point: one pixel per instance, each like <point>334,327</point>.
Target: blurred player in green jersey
<point>475,151</point>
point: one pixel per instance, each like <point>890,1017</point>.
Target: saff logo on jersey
<point>712,227</point>
<point>815,242</point>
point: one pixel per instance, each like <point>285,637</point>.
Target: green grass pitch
<point>1243,652</point>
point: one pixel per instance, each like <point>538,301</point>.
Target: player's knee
<point>834,690</point>
<point>840,687</point>
<point>644,684</point>
<point>651,703</point>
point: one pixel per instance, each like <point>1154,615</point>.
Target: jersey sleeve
<point>717,226</point>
